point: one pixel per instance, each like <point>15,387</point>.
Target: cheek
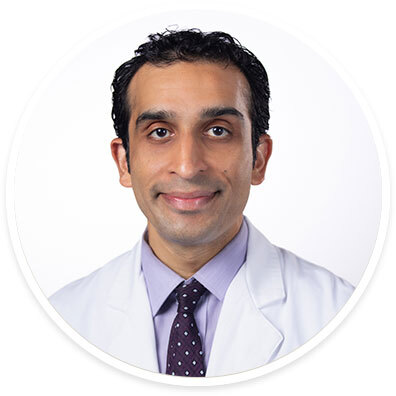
<point>239,177</point>
<point>237,168</point>
<point>144,167</point>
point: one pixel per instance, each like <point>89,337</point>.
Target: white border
<point>247,375</point>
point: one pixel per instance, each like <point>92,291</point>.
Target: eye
<point>217,131</point>
<point>159,133</point>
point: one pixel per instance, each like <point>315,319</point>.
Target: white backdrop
<point>37,357</point>
<point>321,198</point>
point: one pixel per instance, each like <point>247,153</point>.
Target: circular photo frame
<point>325,197</point>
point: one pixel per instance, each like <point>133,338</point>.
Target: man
<point>203,293</point>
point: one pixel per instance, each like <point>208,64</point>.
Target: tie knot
<point>188,295</point>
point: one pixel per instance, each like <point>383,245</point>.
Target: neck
<point>187,260</point>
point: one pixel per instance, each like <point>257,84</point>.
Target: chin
<point>189,233</point>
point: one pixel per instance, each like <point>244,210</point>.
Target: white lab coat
<point>275,303</point>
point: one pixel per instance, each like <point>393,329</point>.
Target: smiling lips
<point>189,201</point>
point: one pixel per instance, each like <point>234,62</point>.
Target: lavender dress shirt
<point>216,275</point>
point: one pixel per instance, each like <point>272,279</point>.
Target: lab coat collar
<point>244,337</point>
<point>264,273</point>
<point>134,340</point>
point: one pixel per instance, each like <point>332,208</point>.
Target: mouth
<point>189,201</point>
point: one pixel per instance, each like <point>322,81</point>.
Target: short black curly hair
<point>189,46</point>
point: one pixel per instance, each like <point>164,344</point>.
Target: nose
<point>188,156</point>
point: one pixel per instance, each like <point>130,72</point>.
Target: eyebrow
<point>213,112</point>
<point>154,115</point>
<point>210,112</point>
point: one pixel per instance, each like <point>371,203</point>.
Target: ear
<point>263,154</point>
<point>119,155</point>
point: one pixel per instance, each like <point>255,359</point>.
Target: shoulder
<point>310,281</point>
<point>91,292</point>
<point>278,276</point>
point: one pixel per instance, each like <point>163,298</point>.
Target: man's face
<point>190,150</point>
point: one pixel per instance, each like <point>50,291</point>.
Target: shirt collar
<point>216,275</point>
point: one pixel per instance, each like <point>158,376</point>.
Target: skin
<point>190,158</point>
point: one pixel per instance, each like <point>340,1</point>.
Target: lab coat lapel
<point>245,338</point>
<point>134,340</point>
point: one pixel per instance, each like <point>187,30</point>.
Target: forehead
<point>188,87</point>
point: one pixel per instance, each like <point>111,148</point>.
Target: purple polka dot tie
<point>185,353</point>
